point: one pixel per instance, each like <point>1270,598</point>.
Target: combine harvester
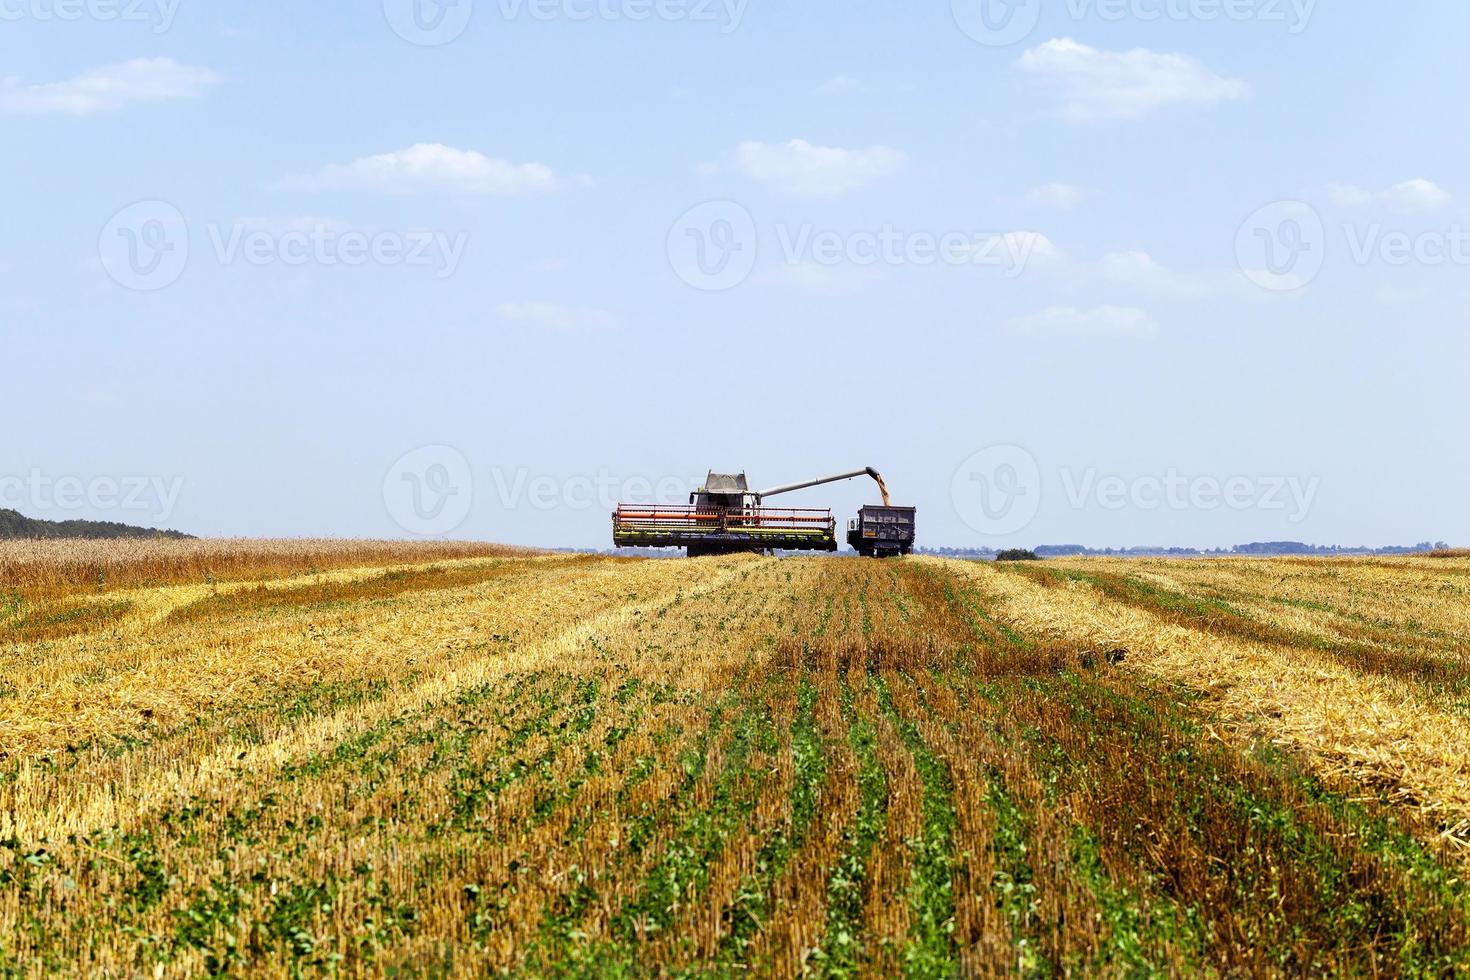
<point>726,517</point>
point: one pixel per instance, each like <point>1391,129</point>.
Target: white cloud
<point>1416,195</point>
<point>799,168</point>
<point>1031,244</point>
<point>1411,195</point>
<point>1099,85</point>
<point>1134,268</point>
<point>1055,197</point>
<point>1140,270</point>
<point>556,317</point>
<point>1034,253</point>
<point>108,89</point>
<point>1102,321</point>
<point>1019,252</point>
<point>429,167</point>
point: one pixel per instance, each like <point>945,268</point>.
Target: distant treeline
<point>15,525</point>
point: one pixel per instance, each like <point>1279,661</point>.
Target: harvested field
<point>373,759</point>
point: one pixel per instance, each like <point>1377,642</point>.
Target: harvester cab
<point>726,517</point>
<point>723,491</point>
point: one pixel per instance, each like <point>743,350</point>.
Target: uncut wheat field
<point>376,759</point>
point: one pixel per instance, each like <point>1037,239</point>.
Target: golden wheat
<point>51,566</point>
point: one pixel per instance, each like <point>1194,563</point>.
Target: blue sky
<point>1025,279</point>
